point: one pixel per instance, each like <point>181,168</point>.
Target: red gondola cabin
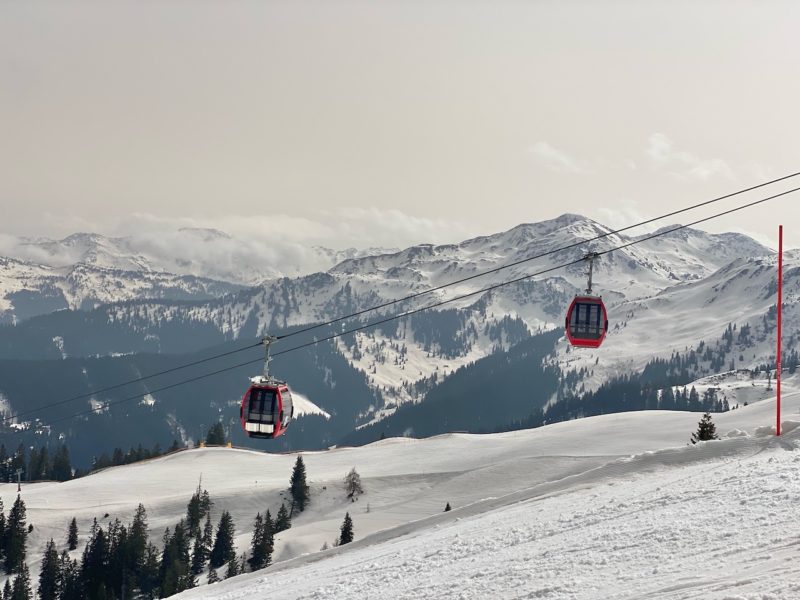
<point>587,322</point>
<point>266,408</point>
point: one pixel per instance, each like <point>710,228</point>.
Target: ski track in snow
<point>616,506</point>
<point>722,528</point>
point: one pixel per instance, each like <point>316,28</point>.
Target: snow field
<point>582,509</point>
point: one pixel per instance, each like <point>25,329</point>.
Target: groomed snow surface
<point>617,506</point>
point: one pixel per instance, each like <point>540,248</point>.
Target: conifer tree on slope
<point>262,543</point>
<point>282,520</point>
<point>71,585</point>
<point>706,430</point>
<point>16,535</point>
<point>298,486</point>
<point>175,562</point>
<point>202,547</point>
<point>21,590</point>
<point>137,538</point>
<point>94,564</point>
<point>2,530</point>
<point>199,556</point>
<point>197,509</point>
<point>346,533</point>
<point>147,577</point>
<point>72,534</point>
<point>223,550</point>
<point>50,573</point>
<point>255,543</point>
<point>232,570</point>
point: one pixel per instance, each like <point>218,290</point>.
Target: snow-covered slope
<point>617,506</point>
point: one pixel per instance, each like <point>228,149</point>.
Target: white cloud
<point>242,247</point>
<point>625,213</point>
<point>684,165</point>
<point>556,160</point>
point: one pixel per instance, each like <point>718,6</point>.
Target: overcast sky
<point>391,123</point>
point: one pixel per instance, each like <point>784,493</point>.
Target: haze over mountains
<point>84,270</point>
<point>406,376</point>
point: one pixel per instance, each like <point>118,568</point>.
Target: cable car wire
<point>388,303</point>
<point>535,257</point>
<point>129,382</point>
<point>655,235</point>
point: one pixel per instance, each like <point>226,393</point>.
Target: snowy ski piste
<point>615,506</point>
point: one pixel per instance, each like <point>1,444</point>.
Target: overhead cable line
<point>130,382</point>
<point>535,257</point>
<point>399,300</point>
<point>655,235</point>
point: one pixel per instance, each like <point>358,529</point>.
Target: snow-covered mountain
<point>84,270</point>
<point>635,509</point>
<point>666,294</point>
<point>28,290</point>
<point>685,266</point>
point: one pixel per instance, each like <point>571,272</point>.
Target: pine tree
<point>61,469</point>
<point>148,575</point>
<point>49,575</point>
<point>137,538</point>
<point>233,568</point>
<point>212,576</point>
<point>447,507</point>
<point>21,590</point>
<point>223,550</point>
<point>94,563</point>
<point>255,543</point>
<point>32,468</point>
<point>119,561</point>
<point>352,484</point>
<point>15,538</point>
<point>282,521</point>
<point>7,590</point>
<point>262,543</point>
<point>194,512</point>
<point>298,486</point>
<point>208,535</point>
<point>216,435</point>
<point>72,534</point>
<point>706,430</point>
<point>3,527</point>
<point>346,532</point>
<point>199,556</point>
<point>268,541</point>
<point>175,561</point>
<point>70,584</point>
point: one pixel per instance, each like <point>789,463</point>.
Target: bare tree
<point>352,484</point>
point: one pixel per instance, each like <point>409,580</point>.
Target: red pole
<point>780,304</point>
